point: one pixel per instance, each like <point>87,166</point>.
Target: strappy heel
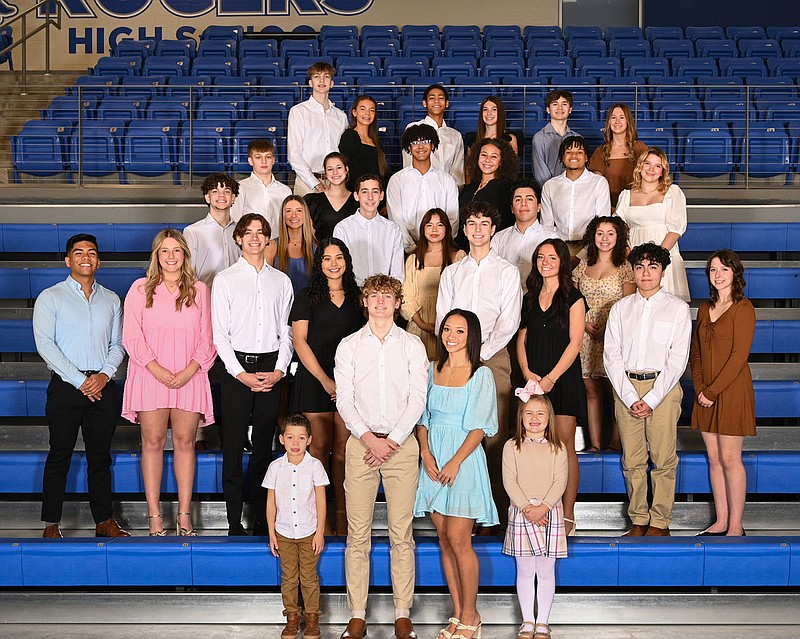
<point>574,526</point>
<point>184,532</point>
<point>475,630</point>
<point>157,533</point>
<point>444,632</point>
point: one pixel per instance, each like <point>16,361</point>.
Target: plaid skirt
<point>524,539</point>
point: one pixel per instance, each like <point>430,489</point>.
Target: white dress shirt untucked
<point>491,289</point>
<point>212,246</point>
<point>410,194</point>
<point>250,314</point>
<point>264,199</point>
<point>381,386</point>
<point>295,494</point>
<point>311,133</point>
<point>647,335</point>
<point>569,205</point>
<point>449,155</point>
<point>375,245</point>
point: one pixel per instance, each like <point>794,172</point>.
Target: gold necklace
<point>453,370</point>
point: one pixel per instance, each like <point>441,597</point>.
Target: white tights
<point>536,581</point>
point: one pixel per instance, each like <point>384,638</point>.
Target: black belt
<point>253,358</point>
<point>642,377</point>
<point>90,373</point>
<point>380,435</point>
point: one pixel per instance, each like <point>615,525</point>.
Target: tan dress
<point>618,171</point>
<point>600,297</point>
<point>720,370</point>
<point>420,290</point>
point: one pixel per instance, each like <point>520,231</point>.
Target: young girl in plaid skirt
<point>535,476</point>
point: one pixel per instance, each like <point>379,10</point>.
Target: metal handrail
<point>27,36</point>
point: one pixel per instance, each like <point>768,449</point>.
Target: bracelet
<point>547,377</point>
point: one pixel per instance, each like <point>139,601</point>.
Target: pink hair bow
<point>531,388</point>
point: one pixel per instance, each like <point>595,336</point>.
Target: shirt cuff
<point>109,371</point>
<point>358,429</point>
<point>398,435</point>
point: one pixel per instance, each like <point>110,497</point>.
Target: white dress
<point>651,223</point>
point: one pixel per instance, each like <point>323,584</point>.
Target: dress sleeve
<point>578,273</point>
<point>411,302</point>
<point>205,353</point>
<point>481,408</point>
<point>425,419</point>
<point>301,309</point>
<point>695,360</point>
<point>349,146</point>
<point>623,203</point>
<point>744,325</point>
<point>675,215</point>
<point>596,162</point>
<point>626,273</point>
<point>133,338</point>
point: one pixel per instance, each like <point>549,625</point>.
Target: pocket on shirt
<point>662,332</point>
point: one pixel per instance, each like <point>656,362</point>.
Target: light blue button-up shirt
<point>75,334</point>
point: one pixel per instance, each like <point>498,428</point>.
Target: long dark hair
<point>473,340</point>
<point>449,247</point>
<point>732,261</point>
<point>560,305</point>
<point>509,162</point>
<point>372,130</point>
<point>318,290</point>
<point>620,248</point>
<point>501,117</point>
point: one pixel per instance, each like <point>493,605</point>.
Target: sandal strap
<point>454,620</point>
<point>467,627</point>
<point>154,516</point>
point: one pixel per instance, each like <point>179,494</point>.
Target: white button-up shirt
<point>212,246</point>
<point>311,133</point>
<point>410,194</point>
<point>250,314</point>
<point>491,289</point>
<point>295,494</point>
<point>264,199</point>
<point>381,386</point>
<point>569,205</point>
<point>647,335</point>
<point>375,245</point>
<point>517,247</point>
<point>449,155</point>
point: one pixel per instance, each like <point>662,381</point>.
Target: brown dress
<point>720,370</point>
<point>618,172</point>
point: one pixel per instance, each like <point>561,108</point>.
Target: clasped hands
<point>170,379</point>
<point>446,476</point>
<point>93,386</point>
<point>641,409</point>
<point>379,449</point>
<point>261,382</point>
<point>539,515</point>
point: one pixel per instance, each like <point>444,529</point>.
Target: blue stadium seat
<point>16,336</point>
<point>136,238</point>
<point>142,87</point>
<point>257,66</point>
<point>150,148</point>
<point>14,284</point>
<point>91,87</point>
<point>454,32</point>
<point>430,31</point>
<point>672,109</point>
<point>387,30</point>
<point>267,108</point>
<point>550,67</point>
<point>732,112</point>
<point>16,235</point>
<point>502,32</point>
<point>493,68</point>
<point>728,88</point>
<point>380,47</point>
<point>116,66</point>
<point>206,150</point>
<point>706,149</point>
<point>505,49</point>
<point>453,68</point>
<point>624,33</point>
<point>234,87</point>
<point>717,49</point>
<point>535,31</point>
<point>790,47</point>
<point>588,49</point>
<point>598,67</point>
<point>642,68</point>
<point>584,111</point>
<point>695,67</point>
<point>742,67</point>
<point>341,50</point>
<point>673,49</point>
<point>176,48</point>
<point>295,48</point>
<point>428,49</point>
<point>629,49</point>
<point>736,33</point>
<point>785,67</point>
<point>622,88</point>
<point>760,48</point>
<point>359,67</point>
<point>589,33</point>
<point>214,66</point>
<point>546,47</point>
<point>170,66</point>
<point>114,107</point>
<point>261,48</point>
<point>405,67</point>
<point>464,48</point>
<point>222,32</point>
<point>781,33</point>
<point>69,108</point>
<point>212,107</point>
<point>338,31</point>
<point>781,110</point>
<point>133,48</point>
<point>671,88</point>
<point>96,150</point>
<point>41,149</point>
<point>660,135</point>
<point>217,49</point>
<point>771,88</point>
<point>182,86</point>
<point>769,151</point>
<point>705,33</point>
<point>663,33</point>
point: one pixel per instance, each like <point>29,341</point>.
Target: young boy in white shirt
<point>313,130</point>
<point>261,192</point>
<point>296,511</point>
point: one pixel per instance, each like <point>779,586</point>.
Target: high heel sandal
<point>574,526</point>
<point>157,533</point>
<point>444,632</point>
<point>526,634</point>
<point>184,532</point>
<point>476,631</point>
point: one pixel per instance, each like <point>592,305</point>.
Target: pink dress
<point>173,339</point>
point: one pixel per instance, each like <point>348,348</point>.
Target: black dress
<point>328,324</point>
<point>324,216</point>
<point>545,342</point>
<point>362,158</point>
<point>497,192</point>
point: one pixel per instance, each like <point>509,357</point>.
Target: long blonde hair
<point>154,275</point>
<point>308,237</point>
<point>664,181</point>
<point>631,134</point>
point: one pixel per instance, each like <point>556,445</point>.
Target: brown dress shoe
<point>657,532</point>
<point>53,531</point>
<point>356,629</point>
<point>637,530</point>
<point>312,626</point>
<point>110,528</point>
<point>404,629</point>
<point>292,627</point>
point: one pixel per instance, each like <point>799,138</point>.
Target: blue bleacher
<point>150,148</point>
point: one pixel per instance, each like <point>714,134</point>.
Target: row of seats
<point>534,65</point>
<point>768,473</point>
<point>246,561</point>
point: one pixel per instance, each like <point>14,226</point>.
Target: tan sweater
<point>535,471</point>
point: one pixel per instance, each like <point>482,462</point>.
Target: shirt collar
<point>209,219</point>
<point>531,229</point>
<point>76,285</point>
<point>257,180</point>
<point>429,120</point>
<point>303,462</point>
<point>655,297</point>
<point>366,333</point>
<point>313,104</point>
<point>492,256</point>
<point>363,221</point>
<point>243,263</point>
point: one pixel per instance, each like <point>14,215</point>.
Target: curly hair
<point>650,251</point>
<point>620,248</point>
<point>535,282</point>
<point>664,181</point>
<point>154,276</point>
<point>631,134</point>
<point>382,284</point>
<point>417,132</point>
<point>318,290</point>
<point>509,162</point>
<point>732,261</point>
<point>219,179</point>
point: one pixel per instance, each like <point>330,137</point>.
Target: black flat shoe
<point>706,533</point>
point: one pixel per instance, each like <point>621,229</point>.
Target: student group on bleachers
<point>526,304</point>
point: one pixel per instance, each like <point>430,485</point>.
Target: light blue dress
<point>449,416</point>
